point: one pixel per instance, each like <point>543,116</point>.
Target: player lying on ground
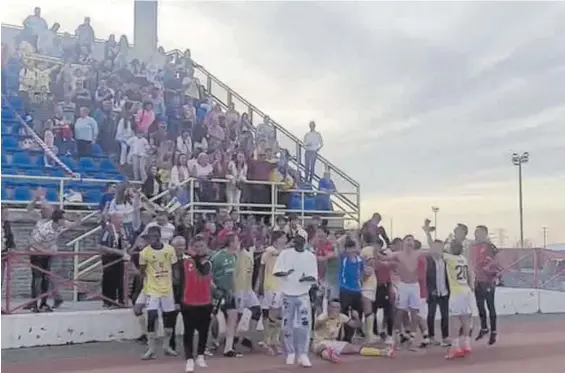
<point>326,332</point>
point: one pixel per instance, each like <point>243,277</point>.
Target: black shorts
<point>383,296</point>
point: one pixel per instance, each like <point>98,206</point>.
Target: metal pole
<point>435,224</point>
<point>544,237</point>
<point>521,204</point>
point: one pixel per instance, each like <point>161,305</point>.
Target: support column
<point>145,28</point>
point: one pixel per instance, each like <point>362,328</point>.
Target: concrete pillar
<point>145,28</point>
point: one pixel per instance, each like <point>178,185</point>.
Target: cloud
<point>420,102</point>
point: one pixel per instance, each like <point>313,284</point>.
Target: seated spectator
<point>199,142</point>
<point>124,134</point>
<point>49,141</point>
<point>86,133</point>
<point>139,147</point>
<point>160,135</point>
<point>152,185</point>
<point>145,117</point>
<point>107,197</point>
<point>237,176</point>
<point>62,131</point>
<point>327,187</point>
<point>184,143</point>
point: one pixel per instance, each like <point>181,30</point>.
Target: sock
<point>167,333</point>
<point>371,351</point>
<point>229,343</point>
<point>267,331</point>
<point>142,324</point>
<point>467,342</point>
<point>455,343</point>
<point>369,325</point>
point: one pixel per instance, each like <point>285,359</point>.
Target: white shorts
<point>245,300</point>
<point>271,299</point>
<point>165,303</point>
<point>461,304</point>
<point>336,346</point>
<point>408,296</point>
<point>423,308</point>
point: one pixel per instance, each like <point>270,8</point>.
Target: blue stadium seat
<point>51,195</point>
<point>106,165</point>
<point>97,151</point>
<point>22,193</point>
<point>9,143</point>
<point>69,161</point>
<point>21,159</point>
<point>309,203</point>
<point>4,193</point>
<point>93,196</point>
<point>87,164</point>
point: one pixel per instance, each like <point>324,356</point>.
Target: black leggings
<point>350,301</point>
<point>39,279</point>
<point>484,293</point>
<point>382,300</point>
<point>196,318</point>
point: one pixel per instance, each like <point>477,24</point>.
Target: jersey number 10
<point>462,272</point>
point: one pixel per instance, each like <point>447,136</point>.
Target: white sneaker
<point>304,361</point>
<point>189,367</point>
<point>389,341</point>
<point>200,362</point>
<point>290,359</point>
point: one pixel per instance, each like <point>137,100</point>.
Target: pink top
<point>143,119</point>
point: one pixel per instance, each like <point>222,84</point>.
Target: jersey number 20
<point>462,272</point>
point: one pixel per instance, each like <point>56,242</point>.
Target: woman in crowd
<point>145,117</point>
<point>220,169</point>
<point>152,185</point>
<point>124,133</point>
<point>125,203</point>
<point>202,170</point>
<point>180,173</point>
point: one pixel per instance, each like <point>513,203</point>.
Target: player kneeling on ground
<point>326,332</point>
<point>461,283</point>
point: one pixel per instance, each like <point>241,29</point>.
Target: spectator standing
<point>162,222</point>
<point>237,176</point>
<point>124,134</point>
<point>139,146</point>
<point>68,108</point>
<point>266,131</point>
<point>104,116</point>
<point>111,49</point>
<point>184,143</point>
<point>47,43</point>
<point>152,185</point>
<point>202,170</point>
<point>145,117</point>
<point>123,205</point>
<point>113,248</point>
<point>107,197</point>
<point>8,242</point>
<point>34,25</point>
<point>85,35</point>
<point>103,93</point>
<point>180,171</point>
<point>313,142</point>
<point>86,133</point>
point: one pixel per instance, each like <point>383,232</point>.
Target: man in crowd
<point>373,227</point>
<point>486,269</point>
<point>369,284</point>
<point>114,251</point>
<point>298,271</point>
<point>224,264</point>
<point>162,222</point>
<point>44,242</point>
<point>326,331</point>
<point>313,142</point>
<point>351,274</point>
<point>156,267</point>
<point>408,289</point>
<point>268,287</point>
<point>461,283</point>
<point>437,287</point>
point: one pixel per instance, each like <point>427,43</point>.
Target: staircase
<point>347,198</point>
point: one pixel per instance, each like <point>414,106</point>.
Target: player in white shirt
<point>297,269</point>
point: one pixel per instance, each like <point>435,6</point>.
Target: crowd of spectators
<point>152,117</point>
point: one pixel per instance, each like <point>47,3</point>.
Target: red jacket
<point>196,282</point>
<point>484,262</point>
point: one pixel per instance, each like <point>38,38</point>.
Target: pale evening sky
<point>422,103</point>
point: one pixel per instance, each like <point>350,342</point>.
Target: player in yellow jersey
<point>268,286</point>
<point>326,332</point>
<point>156,268</point>
<point>461,283</point>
